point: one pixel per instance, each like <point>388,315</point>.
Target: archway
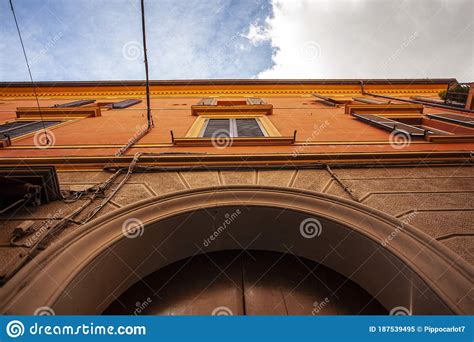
<point>98,262</point>
<point>243,282</point>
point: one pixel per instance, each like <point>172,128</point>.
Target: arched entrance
<point>97,263</point>
<point>245,283</point>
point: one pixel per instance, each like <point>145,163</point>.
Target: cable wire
<point>29,72</point>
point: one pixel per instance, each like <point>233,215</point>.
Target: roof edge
<point>228,82</point>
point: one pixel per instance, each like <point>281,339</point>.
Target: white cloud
<point>369,39</point>
<point>185,40</point>
<point>257,34</point>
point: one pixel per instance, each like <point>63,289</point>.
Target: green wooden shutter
<point>248,128</point>
<point>216,125</point>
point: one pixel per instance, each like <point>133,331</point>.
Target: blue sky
<point>194,39</point>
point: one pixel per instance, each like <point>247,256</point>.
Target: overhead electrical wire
<point>29,72</point>
<point>97,190</point>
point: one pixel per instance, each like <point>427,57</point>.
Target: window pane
<point>17,128</point>
<point>125,103</point>
<point>255,101</point>
<point>74,104</point>
<point>210,101</point>
<point>248,128</point>
<point>216,125</point>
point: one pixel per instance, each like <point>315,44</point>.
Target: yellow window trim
<point>198,124</point>
<point>273,137</point>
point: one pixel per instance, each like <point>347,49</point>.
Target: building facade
<point>236,197</point>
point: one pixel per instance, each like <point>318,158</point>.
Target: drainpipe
<point>147,85</point>
<point>150,124</point>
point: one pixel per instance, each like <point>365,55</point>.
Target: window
<point>391,125</point>
<point>459,119</point>
<point>207,102</point>
<point>124,104</point>
<point>329,101</point>
<point>234,127</point>
<point>244,120</point>
<point>433,127</point>
<point>253,105</point>
<point>369,100</point>
<point>212,101</point>
<point>17,128</point>
<point>74,104</point>
<point>255,101</point>
<point>249,128</point>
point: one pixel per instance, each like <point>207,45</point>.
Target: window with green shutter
<point>234,127</point>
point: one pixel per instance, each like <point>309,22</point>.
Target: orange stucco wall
<point>321,129</point>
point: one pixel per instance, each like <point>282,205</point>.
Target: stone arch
<point>396,263</point>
